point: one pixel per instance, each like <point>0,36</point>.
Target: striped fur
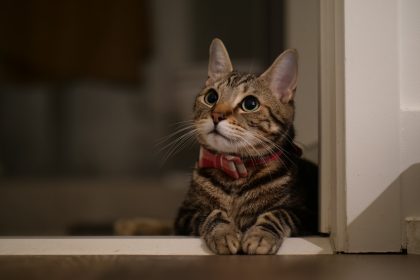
<point>250,215</point>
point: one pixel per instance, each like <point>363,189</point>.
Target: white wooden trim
<point>332,129</point>
<point>372,127</point>
<point>326,90</point>
<point>140,246</point>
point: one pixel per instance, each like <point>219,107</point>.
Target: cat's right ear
<point>281,77</point>
<point>219,61</point>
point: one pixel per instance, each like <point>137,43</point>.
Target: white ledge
<point>140,246</point>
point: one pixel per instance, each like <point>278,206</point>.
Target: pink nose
<point>218,117</point>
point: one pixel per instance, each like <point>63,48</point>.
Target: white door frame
<point>331,114</point>
<point>360,124</point>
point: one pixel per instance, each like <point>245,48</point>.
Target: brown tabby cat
<point>246,193</point>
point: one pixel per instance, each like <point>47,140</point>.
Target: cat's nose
<point>218,117</point>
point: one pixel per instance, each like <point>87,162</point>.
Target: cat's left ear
<point>281,77</point>
<point>219,61</point>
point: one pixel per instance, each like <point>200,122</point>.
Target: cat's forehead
<point>236,79</point>
<point>236,83</point>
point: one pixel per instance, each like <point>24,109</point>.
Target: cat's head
<point>242,113</point>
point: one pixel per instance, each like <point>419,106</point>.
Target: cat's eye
<point>250,104</point>
<point>211,97</point>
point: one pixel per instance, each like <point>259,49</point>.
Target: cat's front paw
<point>220,234</point>
<point>257,241</point>
<point>224,239</point>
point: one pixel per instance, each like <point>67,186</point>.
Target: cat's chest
<point>233,205</point>
<point>227,192</point>
<point>238,204</point>
<point>244,197</point>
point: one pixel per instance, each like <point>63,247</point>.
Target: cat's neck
<point>237,167</point>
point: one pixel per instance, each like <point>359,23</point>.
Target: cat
<point>250,189</point>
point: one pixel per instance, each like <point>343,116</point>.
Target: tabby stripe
<point>270,228</point>
<point>258,206</point>
<point>280,216</point>
<point>285,200</point>
<point>289,219</point>
<point>200,220</point>
<point>276,119</point>
<point>276,174</point>
<point>260,125</point>
<point>246,222</point>
<point>286,227</point>
<point>194,223</point>
<point>245,79</point>
<point>237,81</point>
<point>206,174</point>
<point>214,222</point>
<point>205,196</point>
<point>292,224</point>
<point>295,219</point>
<point>275,223</point>
<point>229,80</point>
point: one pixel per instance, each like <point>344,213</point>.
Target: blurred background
<point>88,88</point>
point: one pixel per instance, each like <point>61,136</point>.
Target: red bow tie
<point>234,166</point>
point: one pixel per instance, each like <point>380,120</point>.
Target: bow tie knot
<point>235,166</point>
<point>231,165</point>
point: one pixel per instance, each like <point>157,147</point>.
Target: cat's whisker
<point>257,153</point>
<point>260,156</point>
<point>285,153</point>
<point>249,151</point>
<point>178,137</point>
<point>240,137</point>
<point>173,134</point>
<point>262,142</point>
<point>288,138</point>
<point>182,122</point>
<point>266,145</point>
<point>170,137</point>
<point>187,142</point>
<point>179,144</point>
<point>270,145</point>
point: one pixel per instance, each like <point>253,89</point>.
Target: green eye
<point>250,104</point>
<point>211,97</point>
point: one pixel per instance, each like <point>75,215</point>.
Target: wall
<point>409,70</point>
<point>101,130</point>
<point>302,33</point>
<point>372,125</point>
<point>382,112</point>
<point>105,128</point>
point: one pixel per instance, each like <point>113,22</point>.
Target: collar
<point>235,166</point>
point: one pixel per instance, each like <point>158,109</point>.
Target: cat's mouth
<point>216,132</point>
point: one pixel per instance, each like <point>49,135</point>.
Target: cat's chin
<point>221,143</point>
<point>220,139</point>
